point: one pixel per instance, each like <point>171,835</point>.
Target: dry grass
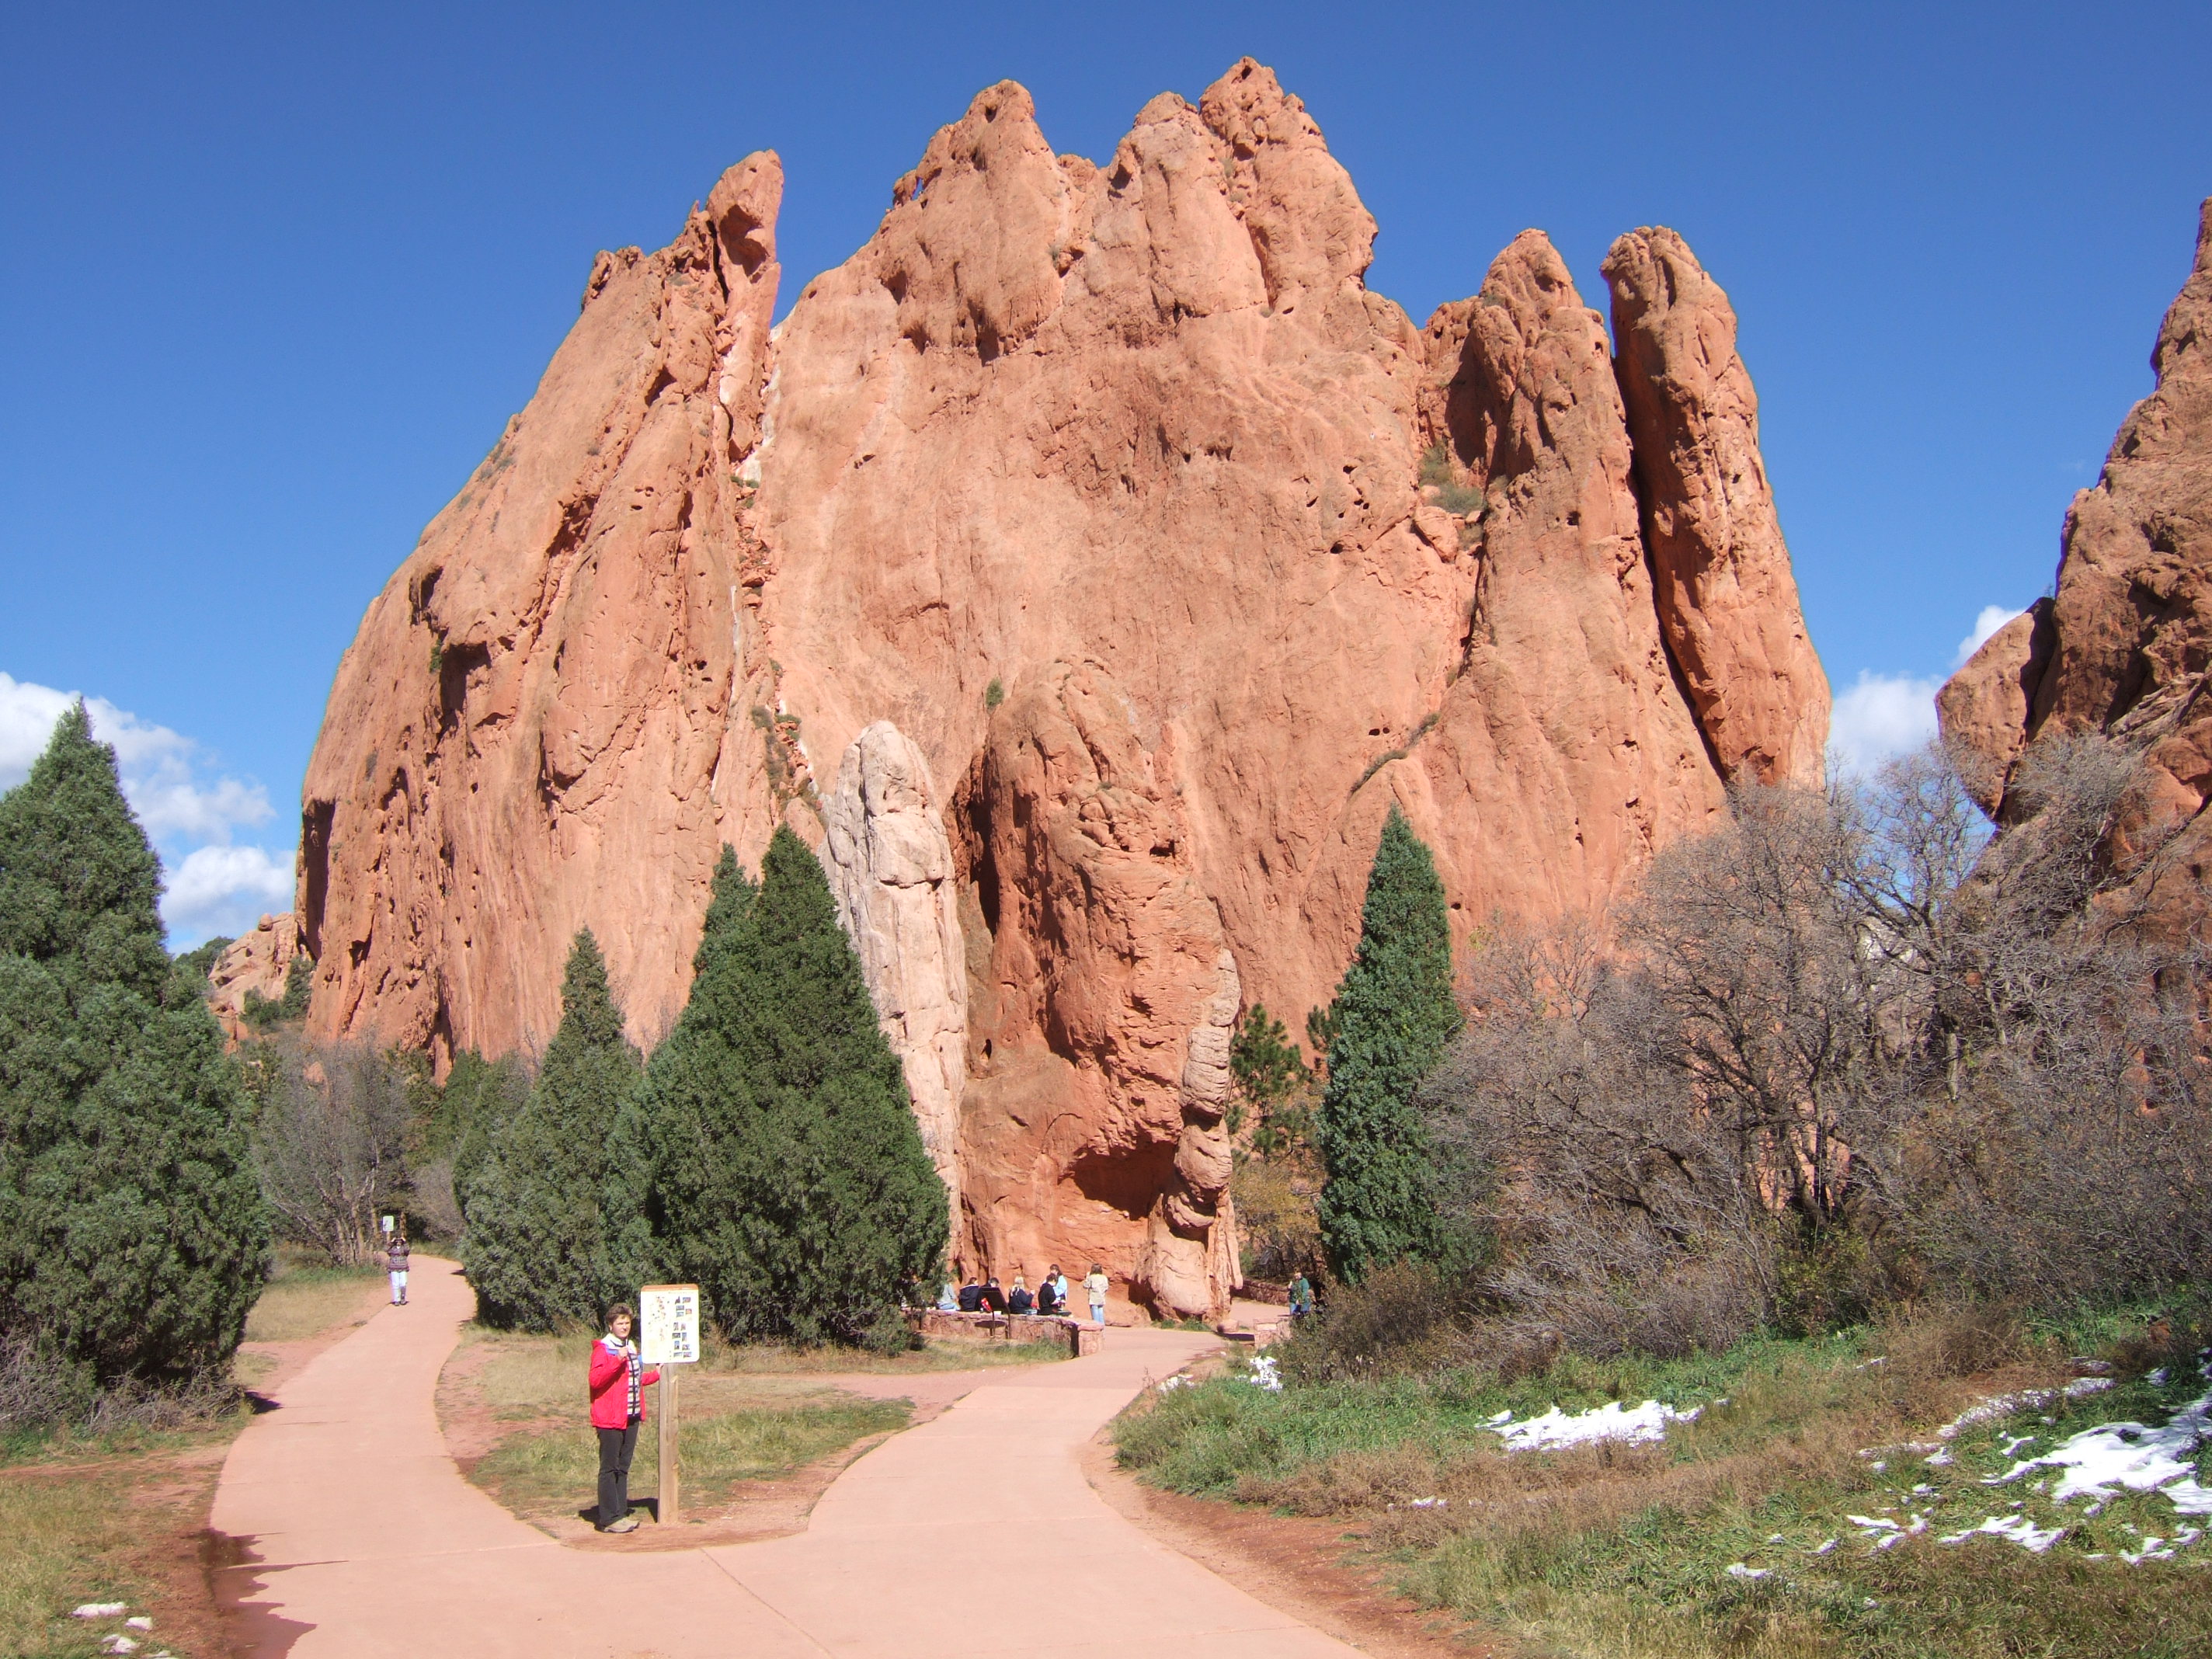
<point>739,1424</point>
<point>305,1300</point>
<point>100,1519</point>
<point>1623,1551</point>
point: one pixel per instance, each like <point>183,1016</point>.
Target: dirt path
<point>351,1532</point>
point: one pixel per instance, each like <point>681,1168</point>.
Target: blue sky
<point>276,279</point>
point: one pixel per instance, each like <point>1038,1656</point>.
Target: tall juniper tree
<point>536,1246</point>
<point>132,1235</point>
<point>781,1167</point>
<point>1393,1016</point>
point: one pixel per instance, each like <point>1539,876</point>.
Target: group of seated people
<point>1050,1296</point>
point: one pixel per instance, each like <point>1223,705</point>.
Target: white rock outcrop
<point>890,867</point>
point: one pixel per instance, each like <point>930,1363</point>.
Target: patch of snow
<point>1431,1504</point>
<point>101,1610</point>
<point>1825,1548</point>
<point>1265,1374</point>
<point>2098,1462</point>
<point>140,1623</point>
<point>1737,1570</point>
<point>1637,1424</point>
<point>2017,1528</point>
<point>118,1645</point>
<point>1173,1384</point>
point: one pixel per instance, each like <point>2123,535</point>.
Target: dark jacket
<point>395,1256</point>
<point>971,1298</point>
<point>1020,1302</point>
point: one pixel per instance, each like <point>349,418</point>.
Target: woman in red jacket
<point>618,1381</point>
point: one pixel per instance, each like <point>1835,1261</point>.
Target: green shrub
<point>131,1233</point>
<point>1453,495</point>
<point>1392,1016</point>
<point>993,694</point>
<point>771,1155</point>
<point>536,1247</point>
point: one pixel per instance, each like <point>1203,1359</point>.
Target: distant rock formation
<point>259,961</point>
<point>2125,645</point>
<point>1098,489</point>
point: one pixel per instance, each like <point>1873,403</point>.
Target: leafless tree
<point>1854,1017</point>
<point>331,1142</point>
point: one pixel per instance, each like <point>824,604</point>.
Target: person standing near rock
<point>618,1379</point>
<point>395,1263</point>
<point>1096,1285</point>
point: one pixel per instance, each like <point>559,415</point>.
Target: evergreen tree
<point>1392,1016</point>
<point>787,1176</point>
<point>132,1235</point>
<point>536,1246</point>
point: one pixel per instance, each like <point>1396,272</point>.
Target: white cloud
<point>189,811</point>
<point>1993,617</point>
<point>1881,716</point>
<point>225,890</point>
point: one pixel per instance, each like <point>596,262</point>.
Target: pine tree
<point>787,1176</point>
<point>132,1234</point>
<point>1393,1016</point>
<point>536,1247</point>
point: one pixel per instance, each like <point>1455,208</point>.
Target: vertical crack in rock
<point>890,866</point>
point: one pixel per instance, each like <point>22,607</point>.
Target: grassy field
<point>1736,1534</point>
<point>742,1422</point>
<point>305,1299</point>
<point>114,1516</point>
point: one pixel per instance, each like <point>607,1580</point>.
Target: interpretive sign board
<point>668,1324</point>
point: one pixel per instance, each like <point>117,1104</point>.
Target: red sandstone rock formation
<point>1726,598</point>
<point>2125,645</point>
<point>1098,484</point>
<point>259,961</point>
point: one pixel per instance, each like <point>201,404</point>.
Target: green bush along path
<point>771,1156</point>
<point>132,1229</point>
<point>536,1248</point>
<point>1392,1016</point>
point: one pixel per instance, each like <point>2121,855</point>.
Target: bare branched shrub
<point>331,1143</point>
<point>1847,1047</point>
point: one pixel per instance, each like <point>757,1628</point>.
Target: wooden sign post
<point>668,1333</point>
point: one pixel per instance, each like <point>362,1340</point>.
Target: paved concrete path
<point>974,1535</point>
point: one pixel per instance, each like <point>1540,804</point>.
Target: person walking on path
<point>1096,1285</point>
<point>618,1381</point>
<point>1301,1297</point>
<point>395,1263</point>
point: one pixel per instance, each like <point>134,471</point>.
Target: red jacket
<point>610,1388</point>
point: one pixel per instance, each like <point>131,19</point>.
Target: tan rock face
<point>890,866</point>
<point>2125,645</point>
<point>1984,708</point>
<point>1098,484</point>
<point>259,961</point>
<point>1728,601</point>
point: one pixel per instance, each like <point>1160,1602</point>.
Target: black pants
<point>616,1446</point>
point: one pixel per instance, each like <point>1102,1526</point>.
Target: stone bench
<point>1081,1336</point>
